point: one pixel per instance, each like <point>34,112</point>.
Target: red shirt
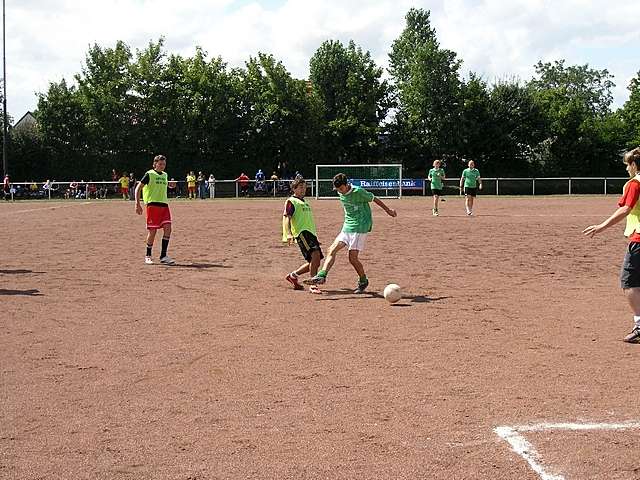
<point>243,180</point>
<point>629,198</point>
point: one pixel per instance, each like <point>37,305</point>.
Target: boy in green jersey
<point>470,183</point>
<point>298,225</point>
<point>154,193</point>
<point>436,176</point>
<point>357,224</point>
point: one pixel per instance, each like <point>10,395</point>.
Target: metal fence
<point>280,188</point>
<point>176,189</point>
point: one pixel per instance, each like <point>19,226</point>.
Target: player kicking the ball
<point>298,225</point>
<point>154,194</point>
<point>357,224</point>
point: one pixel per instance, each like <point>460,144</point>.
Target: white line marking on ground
<point>46,208</point>
<point>577,426</point>
<point>522,447</point>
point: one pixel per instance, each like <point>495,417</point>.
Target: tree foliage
<point>428,89</point>
<point>125,106</point>
<point>353,100</point>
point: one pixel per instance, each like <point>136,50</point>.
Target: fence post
<point>605,185</point>
<point>497,187</point>
<point>237,190</point>
<point>424,188</point>
<point>534,186</point>
<point>569,185</point>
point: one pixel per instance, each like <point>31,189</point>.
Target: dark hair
<point>159,158</point>
<point>633,156</point>
<point>339,180</point>
<point>297,182</point>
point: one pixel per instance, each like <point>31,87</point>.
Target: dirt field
<point>216,369</point>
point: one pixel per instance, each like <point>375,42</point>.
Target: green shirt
<point>357,212</point>
<point>470,176</point>
<point>156,190</point>
<point>436,174</point>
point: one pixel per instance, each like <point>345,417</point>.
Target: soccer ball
<point>392,293</point>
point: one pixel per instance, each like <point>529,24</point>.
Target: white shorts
<point>353,241</point>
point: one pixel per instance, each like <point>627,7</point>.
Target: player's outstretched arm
<point>617,216</point>
<point>479,183</point>
<point>137,195</point>
<point>390,211</point>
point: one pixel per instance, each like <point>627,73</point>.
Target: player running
<point>358,223</point>
<point>470,183</point>
<point>436,177</point>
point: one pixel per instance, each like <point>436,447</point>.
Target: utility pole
<point>5,122</point>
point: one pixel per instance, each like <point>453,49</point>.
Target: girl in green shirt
<point>470,183</point>
<point>436,177</point>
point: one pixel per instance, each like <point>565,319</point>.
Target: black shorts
<point>308,243</point>
<point>472,192</point>
<point>630,272</point>
<point>436,191</point>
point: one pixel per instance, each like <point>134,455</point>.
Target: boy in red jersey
<point>629,208</point>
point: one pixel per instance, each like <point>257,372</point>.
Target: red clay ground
<point>217,369</point>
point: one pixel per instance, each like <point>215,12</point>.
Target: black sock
<point>165,245</point>
<point>149,247</point>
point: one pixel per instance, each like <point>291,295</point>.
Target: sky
<point>498,39</point>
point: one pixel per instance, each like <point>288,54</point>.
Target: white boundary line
<point>526,450</point>
<point>50,207</point>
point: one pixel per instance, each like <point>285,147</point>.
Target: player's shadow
<point>17,272</point>
<point>347,291</point>
<point>29,293</point>
<point>201,266</point>
<point>404,302</point>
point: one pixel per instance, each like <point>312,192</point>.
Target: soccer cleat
<point>148,261</point>
<point>362,286</point>
<point>166,260</point>
<point>633,337</point>
<point>314,289</point>
<point>317,280</point>
<point>470,213</point>
<point>435,212</point>
<point>294,281</point>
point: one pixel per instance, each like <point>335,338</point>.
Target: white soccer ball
<point>392,293</point>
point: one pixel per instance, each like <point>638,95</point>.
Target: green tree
<point>426,78</point>
<point>104,86</point>
<point>354,101</point>
<point>630,113</point>
<point>63,127</point>
<point>281,122</point>
<point>576,101</point>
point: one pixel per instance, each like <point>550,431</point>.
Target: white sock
<point>294,274</point>
<point>636,319</point>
